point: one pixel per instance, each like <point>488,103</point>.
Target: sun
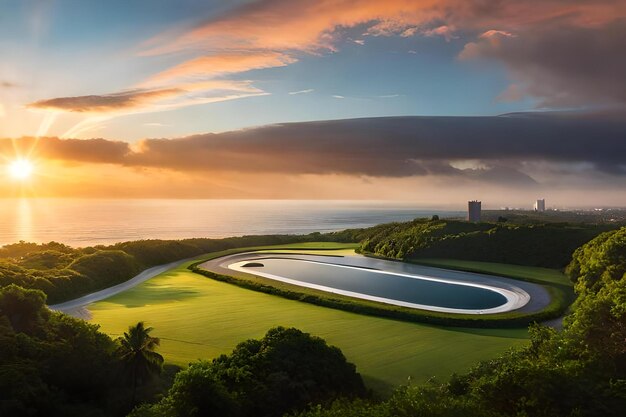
<point>20,169</point>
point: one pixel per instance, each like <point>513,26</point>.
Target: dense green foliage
<point>547,245</point>
<point>600,262</point>
<point>52,364</point>
<point>580,371</point>
<point>63,273</point>
<point>608,216</point>
<point>284,371</point>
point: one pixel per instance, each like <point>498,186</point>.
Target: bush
<point>48,259</point>
<point>284,371</point>
<point>106,267</point>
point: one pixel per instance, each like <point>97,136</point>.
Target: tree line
<point>549,245</point>
<point>64,273</point>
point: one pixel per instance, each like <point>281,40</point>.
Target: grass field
<point>197,317</point>
<point>527,273</point>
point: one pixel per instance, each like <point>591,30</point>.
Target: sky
<point>432,101</point>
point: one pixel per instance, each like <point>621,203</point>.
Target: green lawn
<point>197,317</point>
<point>335,252</point>
<point>529,273</point>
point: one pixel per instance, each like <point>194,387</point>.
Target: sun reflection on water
<point>24,220</point>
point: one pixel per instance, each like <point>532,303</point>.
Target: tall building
<point>473,211</point>
<point>540,205</point>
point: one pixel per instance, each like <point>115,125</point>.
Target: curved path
<point>76,307</point>
<point>529,297</point>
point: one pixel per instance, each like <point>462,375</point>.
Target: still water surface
<point>84,222</point>
<point>388,285</point>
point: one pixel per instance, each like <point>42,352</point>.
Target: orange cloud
<point>446,32</point>
<point>309,25</point>
<point>305,25</point>
<point>265,34</point>
<point>68,150</point>
<point>210,66</point>
<point>144,100</point>
<point>491,39</point>
<point>496,33</point>
<point>105,103</point>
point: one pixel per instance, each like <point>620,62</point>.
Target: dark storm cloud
<point>397,146</point>
<point>564,65</point>
<point>379,147</point>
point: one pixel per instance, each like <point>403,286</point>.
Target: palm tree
<point>137,352</point>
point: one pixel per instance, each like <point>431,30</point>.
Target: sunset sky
<point>315,99</point>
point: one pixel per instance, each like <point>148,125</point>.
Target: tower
<point>473,211</point>
<point>540,205</point>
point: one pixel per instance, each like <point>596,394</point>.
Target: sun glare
<point>20,169</point>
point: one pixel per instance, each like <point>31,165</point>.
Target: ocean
<point>87,222</point>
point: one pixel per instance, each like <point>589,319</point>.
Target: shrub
<point>284,371</point>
